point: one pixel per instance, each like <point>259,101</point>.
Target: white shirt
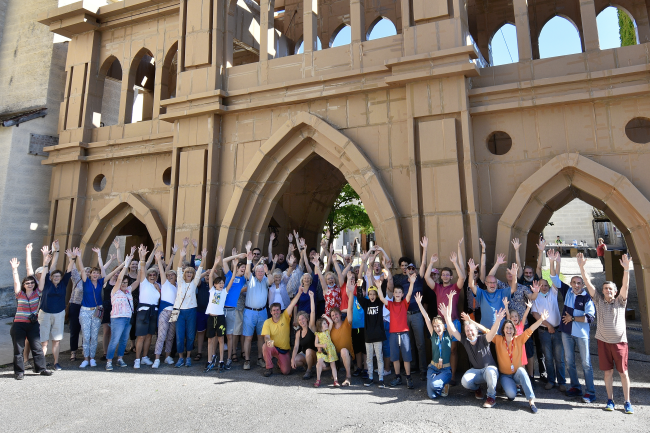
<point>548,302</point>
<point>386,312</point>
<point>168,294</point>
<point>277,298</point>
<point>216,302</point>
<point>186,293</point>
<point>148,294</point>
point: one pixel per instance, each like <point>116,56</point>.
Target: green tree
<point>347,213</point>
<point>626,29</point>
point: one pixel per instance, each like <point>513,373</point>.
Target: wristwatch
<point>573,319</point>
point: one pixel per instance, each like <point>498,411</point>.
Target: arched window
<point>300,46</point>
<point>111,72</point>
<point>503,46</point>
<point>559,37</point>
<point>143,72</point>
<point>616,28</point>
<point>169,72</point>
<point>381,28</point>
<point>341,36</point>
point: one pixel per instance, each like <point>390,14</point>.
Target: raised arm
<point>516,244</point>
<point>323,283</point>
<point>305,259</point>
<point>412,279</point>
<point>271,239</point>
<point>514,272</point>
<point>47,256</point>
<point>418,299</point>
<point>170,264</point>
<point>460,257</point>
<point>295,300</point>
<point>161,270</point>
<point>55,255</point>
<point>501,259</point>
<point>80,265</point>
<point>229,284</point>
<point>446,313</point>
<point>113,272</point>
<point>495,326</point>
<point>423,262</point>
<point>100,262</point>
<point>505,305</point>
<point>142,268</point>
<point>471,281</point>
<point>459,270</point>
<point>28,260</point>
<point>120,277</point>
<point>388,264</point>
<point>14,270</point>
<point>541,247</point>
<point>249,259</point>
<point>625,262</point>
<point>427,273</point>
<point>151,256</point>
<point>312,311</point>
<point>118,253</point>
<point>580,258</point>
<point>483,259</point>
<point>351,288</point>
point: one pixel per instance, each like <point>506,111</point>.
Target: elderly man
<point>491,300</point>
<point>578,313</point>
<point>610,333</point>
<point>549,331</point>
<point>277,333</point>
<point>255,314</point>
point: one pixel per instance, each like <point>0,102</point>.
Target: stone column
<point>523,29</point>
<point>309,25</point>
<point>267,30</point>
<point>358,20</point>
<point>589,26</point>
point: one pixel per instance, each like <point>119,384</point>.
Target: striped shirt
<point>27,305</point>
<point>610,318</point>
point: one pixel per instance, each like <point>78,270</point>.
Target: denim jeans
<point>554,355</point>
<point>185,331</point>
<point>120,327</point>
<point>570,342</point>
<point>436,380</point>
<point>509,383</point>
<point>416,327</point>
<point>474,377</point>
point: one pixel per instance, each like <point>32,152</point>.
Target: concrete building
<point>240,133</point>
<point>573,221</point>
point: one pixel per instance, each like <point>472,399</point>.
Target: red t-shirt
<point>398,322</point>
<point>441,295</point>
<point>600,250</point>
<point>344,297</point>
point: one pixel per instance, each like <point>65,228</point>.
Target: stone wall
<point>573,221</point>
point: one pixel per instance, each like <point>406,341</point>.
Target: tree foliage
<point>626,29</point>
<point>348,213</point>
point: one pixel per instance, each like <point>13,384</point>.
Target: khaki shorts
<point>51,325</point>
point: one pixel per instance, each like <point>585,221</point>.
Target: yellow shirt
<point>279,332</point>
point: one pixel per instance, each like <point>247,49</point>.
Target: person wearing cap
<point>414,317</point>
<point>166,330</point>
<point>374,334</point>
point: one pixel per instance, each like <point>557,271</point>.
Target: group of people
<point>342,315</point>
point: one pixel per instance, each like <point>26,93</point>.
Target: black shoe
<point>409,383</point>
<point>228,365</point>
<point>49,366</point>
<point>452,382</point>
<point>357,372</point>
<point>268,372</point>
<point>103,358</point>
<point>58,367</point>
<point>397,381</point>
<point>46,373</point>
<point>19,376</point>
<point>368,382</point>
<point>209,367</point>
<point>221,367</point>
<point>381,384</point>
<point>423,376</point>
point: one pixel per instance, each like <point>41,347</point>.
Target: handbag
<point>99,310</point>
<point>176,311</point>
<point>33,317</point>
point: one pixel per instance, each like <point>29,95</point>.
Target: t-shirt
<point>342,337</point>
<point>92,294</point>
<point>518,301</point>
<point>235,289</point>
<point>491,303</point>
<point>441,294</point>
<point>216,301</point>
<point>358,319</point>
<point>548,302</point>
<point>148,294</point>
<point>398,322</point>
<point>441,347</point>
<point>373,319</point>
<point>168,295</point>
<point>600,250</point>
<point>610,317</point>
<point>279,332</point>
<point>53,297</point>
<point>202,295</point>
<point>304,302</point>
<point>403,281</point>
<point>257,292</point>
<point>479,353</point>
<point>515,349</point>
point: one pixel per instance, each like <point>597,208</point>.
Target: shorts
<point>358,340</point>
<point>457,325</point>
<point>234,321</point>
<point>254,321</point>
<point>400,342</point>
<point>216,326</point>
<point>610,354</point>
<point>51,325</point>
<point>146,321</point>
<point>201,320</point>
<point>107,313</point>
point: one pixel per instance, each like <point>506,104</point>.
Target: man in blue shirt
<point>234,314</point>
<point>579,311</point>
<point>255,313</point>
<point>491,300</point>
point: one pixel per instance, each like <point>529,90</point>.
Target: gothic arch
<point>257,190</point>
<point>569,176</point>
<point>103,228</point>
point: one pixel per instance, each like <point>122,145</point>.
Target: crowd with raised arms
<point>317,311</point>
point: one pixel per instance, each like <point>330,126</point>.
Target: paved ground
<point>186,399</point>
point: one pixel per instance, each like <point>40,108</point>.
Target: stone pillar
<point>267,30</point>
<point>523,29</point>
<point>589,26</point>
<point>309,25</point>
<point>358,20</point>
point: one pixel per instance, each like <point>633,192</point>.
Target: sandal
<point>346,382</point>
<point>336,384</point>
<point>317,384</point>
<point>198,356</point>
<point>73,356</point>
<point>234,358</point>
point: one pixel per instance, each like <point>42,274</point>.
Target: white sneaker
<point>146,360</point>
<point>136,364</point>
<point>169,360</point>
<point>156,363</point>
<point>92,362</point>
<point>84,364</point>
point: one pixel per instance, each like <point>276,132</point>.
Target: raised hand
<point>513,270</point>
<point>529,304</point>
<point>434,258</point>
<point>515,243</point>
<point>158,255</point>
<point>464,317</point>
<point>29,248</point>
<point>424,242</point>
<point>291,260</point>
<point>142,251</point>
<point>69,253</point>
<point>460,242</point>
<point>234,252</point>
<point>292,248</point>
<point>413,277</point>
<point>133,248</point>
<point>55,245</point>
<point>275,258</point>
<point>76,251</point>
<point>625,262</point>
<point>472,266</point>
<point>46,259</point>
<point>290,237</point>
<point>551,255</point>
<point>482,243</point>
<point>186,242</point>
<point>453,257</point>
<point>505,303</point>
<point>97,251</point>
<point>544,315</point>
<point>272,237</point>
<point>443,309</point>
<point>248,245</point>
<point>580,258</point>
<point>14,263</point>
<point>45,250</point>
<point>204,253</point>
<point>195,243</point>
<point>450,296</point>
<point>418,298</point>
<point>541,245</point>
<point>116,243</point>
<point>314,261</point>
<point>500,314</point>
<point>535,287</point>
<point>501,259</point>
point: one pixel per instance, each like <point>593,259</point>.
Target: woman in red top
<point>26,322</point>
<point>600,251</point>
<point>331,290</point>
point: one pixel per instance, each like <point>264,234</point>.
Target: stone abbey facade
<point>195,118</point>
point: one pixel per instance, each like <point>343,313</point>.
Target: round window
<point>638,130</point>
<point>167,176</point>
<point>499,143</point>
<point>99,183</point>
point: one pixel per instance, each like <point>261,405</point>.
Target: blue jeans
<point>474,377</point>
<point>185,331</point>
<point>554,355</point>
<point>436,380</point>
<point>570,342</point>
<point>509,383</point>
<point>120,327</point>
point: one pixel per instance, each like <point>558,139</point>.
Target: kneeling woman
<point>509,348</point>
<point>304,350</point>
